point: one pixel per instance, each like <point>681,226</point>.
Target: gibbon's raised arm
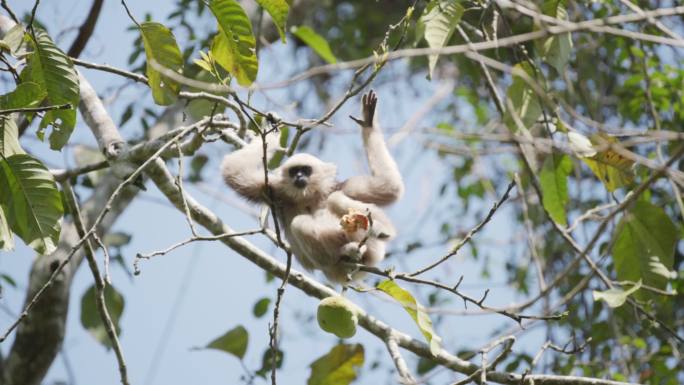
<point>243,169</point>
<point>385,184</point>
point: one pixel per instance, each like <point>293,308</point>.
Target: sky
<point>187,298</point>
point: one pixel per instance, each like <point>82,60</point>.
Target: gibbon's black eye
<point>300,170</point>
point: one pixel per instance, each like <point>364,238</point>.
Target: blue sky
<point>206,289</point>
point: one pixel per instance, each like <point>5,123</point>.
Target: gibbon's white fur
<point>310,201</point>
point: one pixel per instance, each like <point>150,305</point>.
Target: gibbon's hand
<point>368,103</point>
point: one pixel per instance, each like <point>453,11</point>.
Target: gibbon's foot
<point>368,103</point>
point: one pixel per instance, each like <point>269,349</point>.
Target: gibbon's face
<point>307,177</point>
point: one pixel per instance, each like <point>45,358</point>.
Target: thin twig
<point>138,257</point>
<point>110,328</point>
<point>470,234</point>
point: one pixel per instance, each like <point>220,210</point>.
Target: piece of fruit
<point>338,316</point>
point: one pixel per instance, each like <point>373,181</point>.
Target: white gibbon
<point>322,218</point>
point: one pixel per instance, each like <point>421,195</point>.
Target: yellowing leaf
<point>338,366</point>
<point>415,310</point>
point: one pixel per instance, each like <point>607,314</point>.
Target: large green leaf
<point>278,9</point>
<point>9,137</point>
<point>161,46</point>
<point>643,234</point>
<point>522,102</point>
<point>234,47</point>
<point>27,94</point>
<point>337,367</point>
<point>31,201</point>
<point>556,49</point>
<point>50,68</point>
<point>554,184</point>
<point>440,19</point>
<point>315,42</point>
<point>415,310</point>
<point>90,316</point>
<point>234,342</point>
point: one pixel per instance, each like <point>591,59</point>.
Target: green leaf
<point>9,137</point>
<point>26,94</point>
<point>556,49</point>
<point>554,184</point>
<point>6,238</point>
<point>90,316</point>
<point>441,17</point>
<point>415,310</point>
<point>278,9</point>
<point>234,47</point>
<point>117,239</point>
<point>615,297</point>
<point>31,202</point>
<point>234,341</point>
<point>645,233</point>
<point>267,362</point>
<point>524,102</point>
<point>261,307</point>
<point>337,367</point>
<point>160,46</point>
<point>50,68</point>
<point>315,42</point>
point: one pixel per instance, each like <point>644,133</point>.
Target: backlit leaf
<point>337,367</point>
<point>160,46</point>
<point>415,310</point>
<point>278,9</point>
<point>234,47</point>
<point>54,72</point>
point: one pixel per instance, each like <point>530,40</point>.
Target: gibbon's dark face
<point>300,175</point>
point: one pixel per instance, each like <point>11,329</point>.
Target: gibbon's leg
<point>340,204</point>
<point>385,184</point>
<point>243,169</point>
